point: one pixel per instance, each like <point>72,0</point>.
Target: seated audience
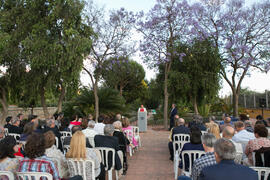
<point>248,126</point>
<point>260,118</point>
<point>107,140</point>
<point>84,123</point>
<point>214,129</point>
<point>227,122</point>
<point>89,132</point>
<point>99,127</point>
<point>75,122</point>
<point>123,142</point>
<point>226,168</point>
<point>228,133</point>
<point>179,129</point>
<point>54,153</point>
<point>8,122</point>
<point>197,121</point>
<point>8,148</point>
<point>74,129</point>
<point>27,130</point>
<point>208,141</point>
<point>78,150</point>
<point>15,126</point>
<point>242,135</point>
<point>194,144</point>
<point>64,124</point>
<point>261,140</point>
<point>50,126</point>
<point>126,126</point>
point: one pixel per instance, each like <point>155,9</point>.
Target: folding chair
<point>8,174</point>
<point>33,175</point>
<point>263,172</point>
<point>192,156</point>
<point>104,152</point>
<point>65,133</point>
<point>136,133</point>
<point>78,167</point>
<point>129,135</point>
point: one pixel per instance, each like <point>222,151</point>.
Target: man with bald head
<point>179,129</point>
<point>228,132</point>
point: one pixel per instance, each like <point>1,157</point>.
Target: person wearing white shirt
<point>242,135</point>
<point>99,127</point>
<point>90,133</point>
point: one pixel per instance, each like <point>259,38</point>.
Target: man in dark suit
<point>179,129</point>
<point>108,140</point>
<point>226,169</point>
<point>172,114</point>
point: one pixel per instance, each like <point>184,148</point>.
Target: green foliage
<point>204,110</point>
<point>110,102</point>
<point>183,108</point>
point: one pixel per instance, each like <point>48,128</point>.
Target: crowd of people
<point>228,146</point>
<point>37,150</point>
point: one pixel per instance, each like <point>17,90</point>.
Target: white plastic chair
<point>8,174</point>
<point>262,171</point>
<point>66,148</point>
<point>254,159</point>
<point>78,167</point>
<point>192,156</point>
<point>6,131</point>
<point>56,142</point>
<point>238,158</point>
<point>16,136</point>
<point>129,135</point>
<point>65,133</point>
<point>104,152</point>
<point>178,142</point>
<point>92,141</point>
<point>35,175</point>
<point>204,132</point>
<point>136,133</point>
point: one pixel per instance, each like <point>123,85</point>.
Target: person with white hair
<point>15,126</point>
<point>90,133</point>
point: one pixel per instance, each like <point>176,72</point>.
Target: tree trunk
<point>121,90</point>
<point>95,88</point>
<point>60,100</point>
<point>166,97</point>
<point>195,105</point>
<point>43,103</point>
<point>4,104</point>
<point>235,102</point>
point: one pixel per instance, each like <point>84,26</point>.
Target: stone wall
<point>14,110</point>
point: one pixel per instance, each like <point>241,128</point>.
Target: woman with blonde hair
<point>78,150</point>
<point>214,129</point>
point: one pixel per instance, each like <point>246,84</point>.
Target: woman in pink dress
<point>126,126</point>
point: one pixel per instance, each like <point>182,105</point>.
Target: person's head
<point>180,121</point>
<point>8,147</point>
<point>50,123</point>
<point>29,128</point>
<point>84,123</point>
<point>2,132</point>
<point>239,126</point>
<point>125,122</point>
<point>227,120</point>
<point>243,117</point>
<point>77,146</point>
<point>260,131</point>
<point>214,129</point>
<point>224,150</point>
<point>91,124</point>
<point>195,135</point>
<point>32,118</point>
<point>20,116</point>
<point>49,139</point>
<point>173,105</point>
<point>8,119</point>
<point>208,141</point>
<point>90,117</point>
<point>118,117</point>
<point>74,117</point>
<point>101,118</point>
<point>74,129</point>
<point>117,125</point>
<point>197,118</point>
<point>15,121</point>
<point>228,132</point>
<point>108,130</point>
<point>263,122</point>
<point>225,115</point>
<point>259,117</point>
<point>212,118</point>
<point>142,106</point>
<point>35,146</point>
<point>248,123</point>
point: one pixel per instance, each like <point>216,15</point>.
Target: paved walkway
<point>151,162</point>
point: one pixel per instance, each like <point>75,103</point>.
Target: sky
<point>256,81</point>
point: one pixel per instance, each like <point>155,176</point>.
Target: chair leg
<point>116,175</point>
<point>110,174</point>
<point>130,150</point>
<point>175,166</point>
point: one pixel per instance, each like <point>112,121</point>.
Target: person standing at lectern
<point>172,114</point>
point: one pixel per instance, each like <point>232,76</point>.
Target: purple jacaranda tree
<point>164,26</point>
<point>112,39</point>
<point>241,33</point>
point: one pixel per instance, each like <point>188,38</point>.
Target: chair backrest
<point>204,132</point>
<point>179,140</point>
<point>129,134</point>
<point>263,172</point>
<point>92,141</point>
<point>65,133</point>
<point>136,130</point>
<point>6,131</point>
<point>181,137</point>
<point>107,156</point>
<point>66,148</point>
<point>33,175</point>
<point>16,136</point>
<point>80,167</point>
<point>192,156</point>
<point>254,159</point>
<point>8,174</point>
<point>56,142</point>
